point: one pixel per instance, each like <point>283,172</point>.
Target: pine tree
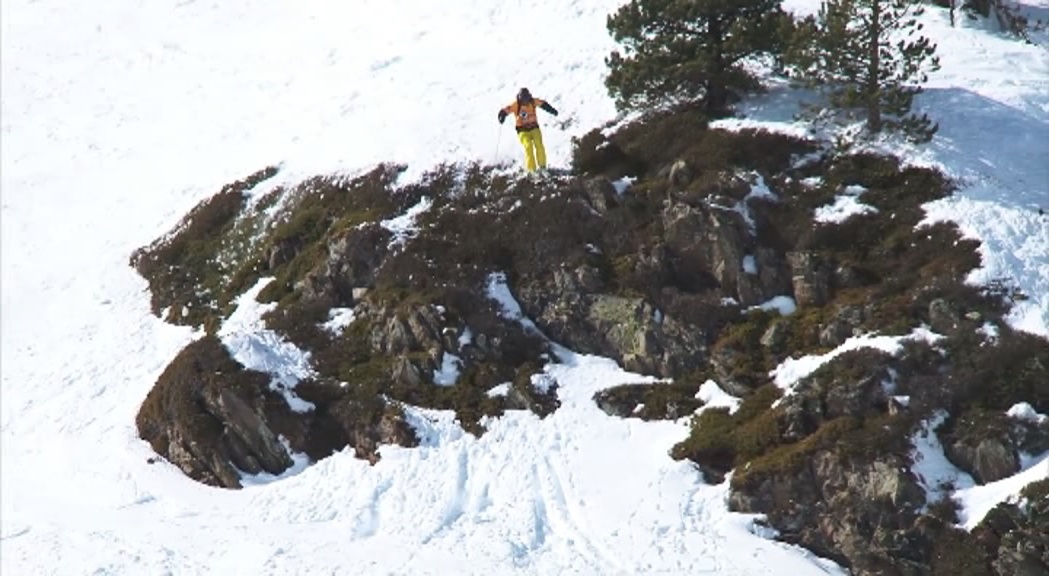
<point>869,56</point>
<point>683,51</point>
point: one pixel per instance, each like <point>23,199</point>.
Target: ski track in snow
<point>119,117</point>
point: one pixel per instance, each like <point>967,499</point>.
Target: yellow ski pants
<point>535,154</point>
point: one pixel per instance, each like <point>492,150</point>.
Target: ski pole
<point>498,141</point>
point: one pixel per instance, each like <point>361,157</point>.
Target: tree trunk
<point>873,92</point>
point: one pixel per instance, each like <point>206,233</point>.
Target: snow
<point>750,265</point>
<point>940,478</point>
<point>785,305</point>
<point>338,320</point>
<point>845,205</point>
<point>977,501</point>
<point>543,383</point>
<point>993,140</point>
<point>448,373</point>
<point>758,189</point>
<point>118,117</point>
<point>500,390</point>
<point>792,370</point>
<point>1024,411</point>
<point>713,396</point>
<point>623,184</point>
<point>935,473</point>
<point>989,332</point>
<point>258,348</point>
<point>403,227</point>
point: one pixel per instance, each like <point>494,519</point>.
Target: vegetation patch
<point>187,279</point>
<point>653,401</point>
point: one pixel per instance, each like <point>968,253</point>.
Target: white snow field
<point>117,117</point>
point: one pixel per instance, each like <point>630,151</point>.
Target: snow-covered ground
<point>117,117</point>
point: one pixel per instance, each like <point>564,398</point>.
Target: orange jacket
<point>525,113</point>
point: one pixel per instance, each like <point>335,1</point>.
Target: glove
<point>502,116</point>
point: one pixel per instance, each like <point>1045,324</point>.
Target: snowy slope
<point>117,117</point>
<point>991,101</point>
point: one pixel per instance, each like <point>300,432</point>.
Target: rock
<point>707,244</point>
<point>281,253</point>
<point>355,255</point>
<point>851,384</point>
<point>617,405</point>
<point>943,316</point>
<point>680,174</point>
<point>644,339</point>
<point>846,277</point>
<point>1017,538</point>
<point>317,286</point>
<point>629,330</point>
<point>417,329</point>
<point>776,336</point>
<point>659,401</point>
<point>254,438</point>
<point>810,277</point>
<point>583,279</point>
<point>406,373</point>
<point>858,510</point>
<point>989,460</point>
<point>370,422</point>
<point>600,194</point>
<point>773,277</point>
<point>207,414</point>
<point>843,325</point>
<point>982,443</point>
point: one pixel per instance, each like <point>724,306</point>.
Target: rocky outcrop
<point>354,256</point>
<point>859,511</point>
<point>986,460</point>
<point>844,324</point>
<point>853,384</point>
<point>1016,534</point>
<point>600,194</point>
<point>216,421</point>
<point>631,330</point>
<point>811,278</point>
<point>707,247</point>
<point>659,401</point>
<point>983,443</point>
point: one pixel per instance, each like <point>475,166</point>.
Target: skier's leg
<point>526,141</point>
<point>540,151</point>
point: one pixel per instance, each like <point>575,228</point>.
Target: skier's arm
<point>504,112</point>
<point>546,106</point>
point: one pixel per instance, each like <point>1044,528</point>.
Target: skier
<point>524,109</point>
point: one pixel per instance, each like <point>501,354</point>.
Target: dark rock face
<point>859,511</point>
<point>853,384</point>
<point>709,243</point>
<point>629,329</point>
<point>661,401</point>
<point>353,258</point>
<point>984,444</point>
<point>811,278</point>
<point>600,194</point>
<point>988,460</point>
<point>943,316</point>
<point>841,326</point>
<point>1017,536</point>
<point>214,420</point>
<point>355,255</point>
<point>835,488</point>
